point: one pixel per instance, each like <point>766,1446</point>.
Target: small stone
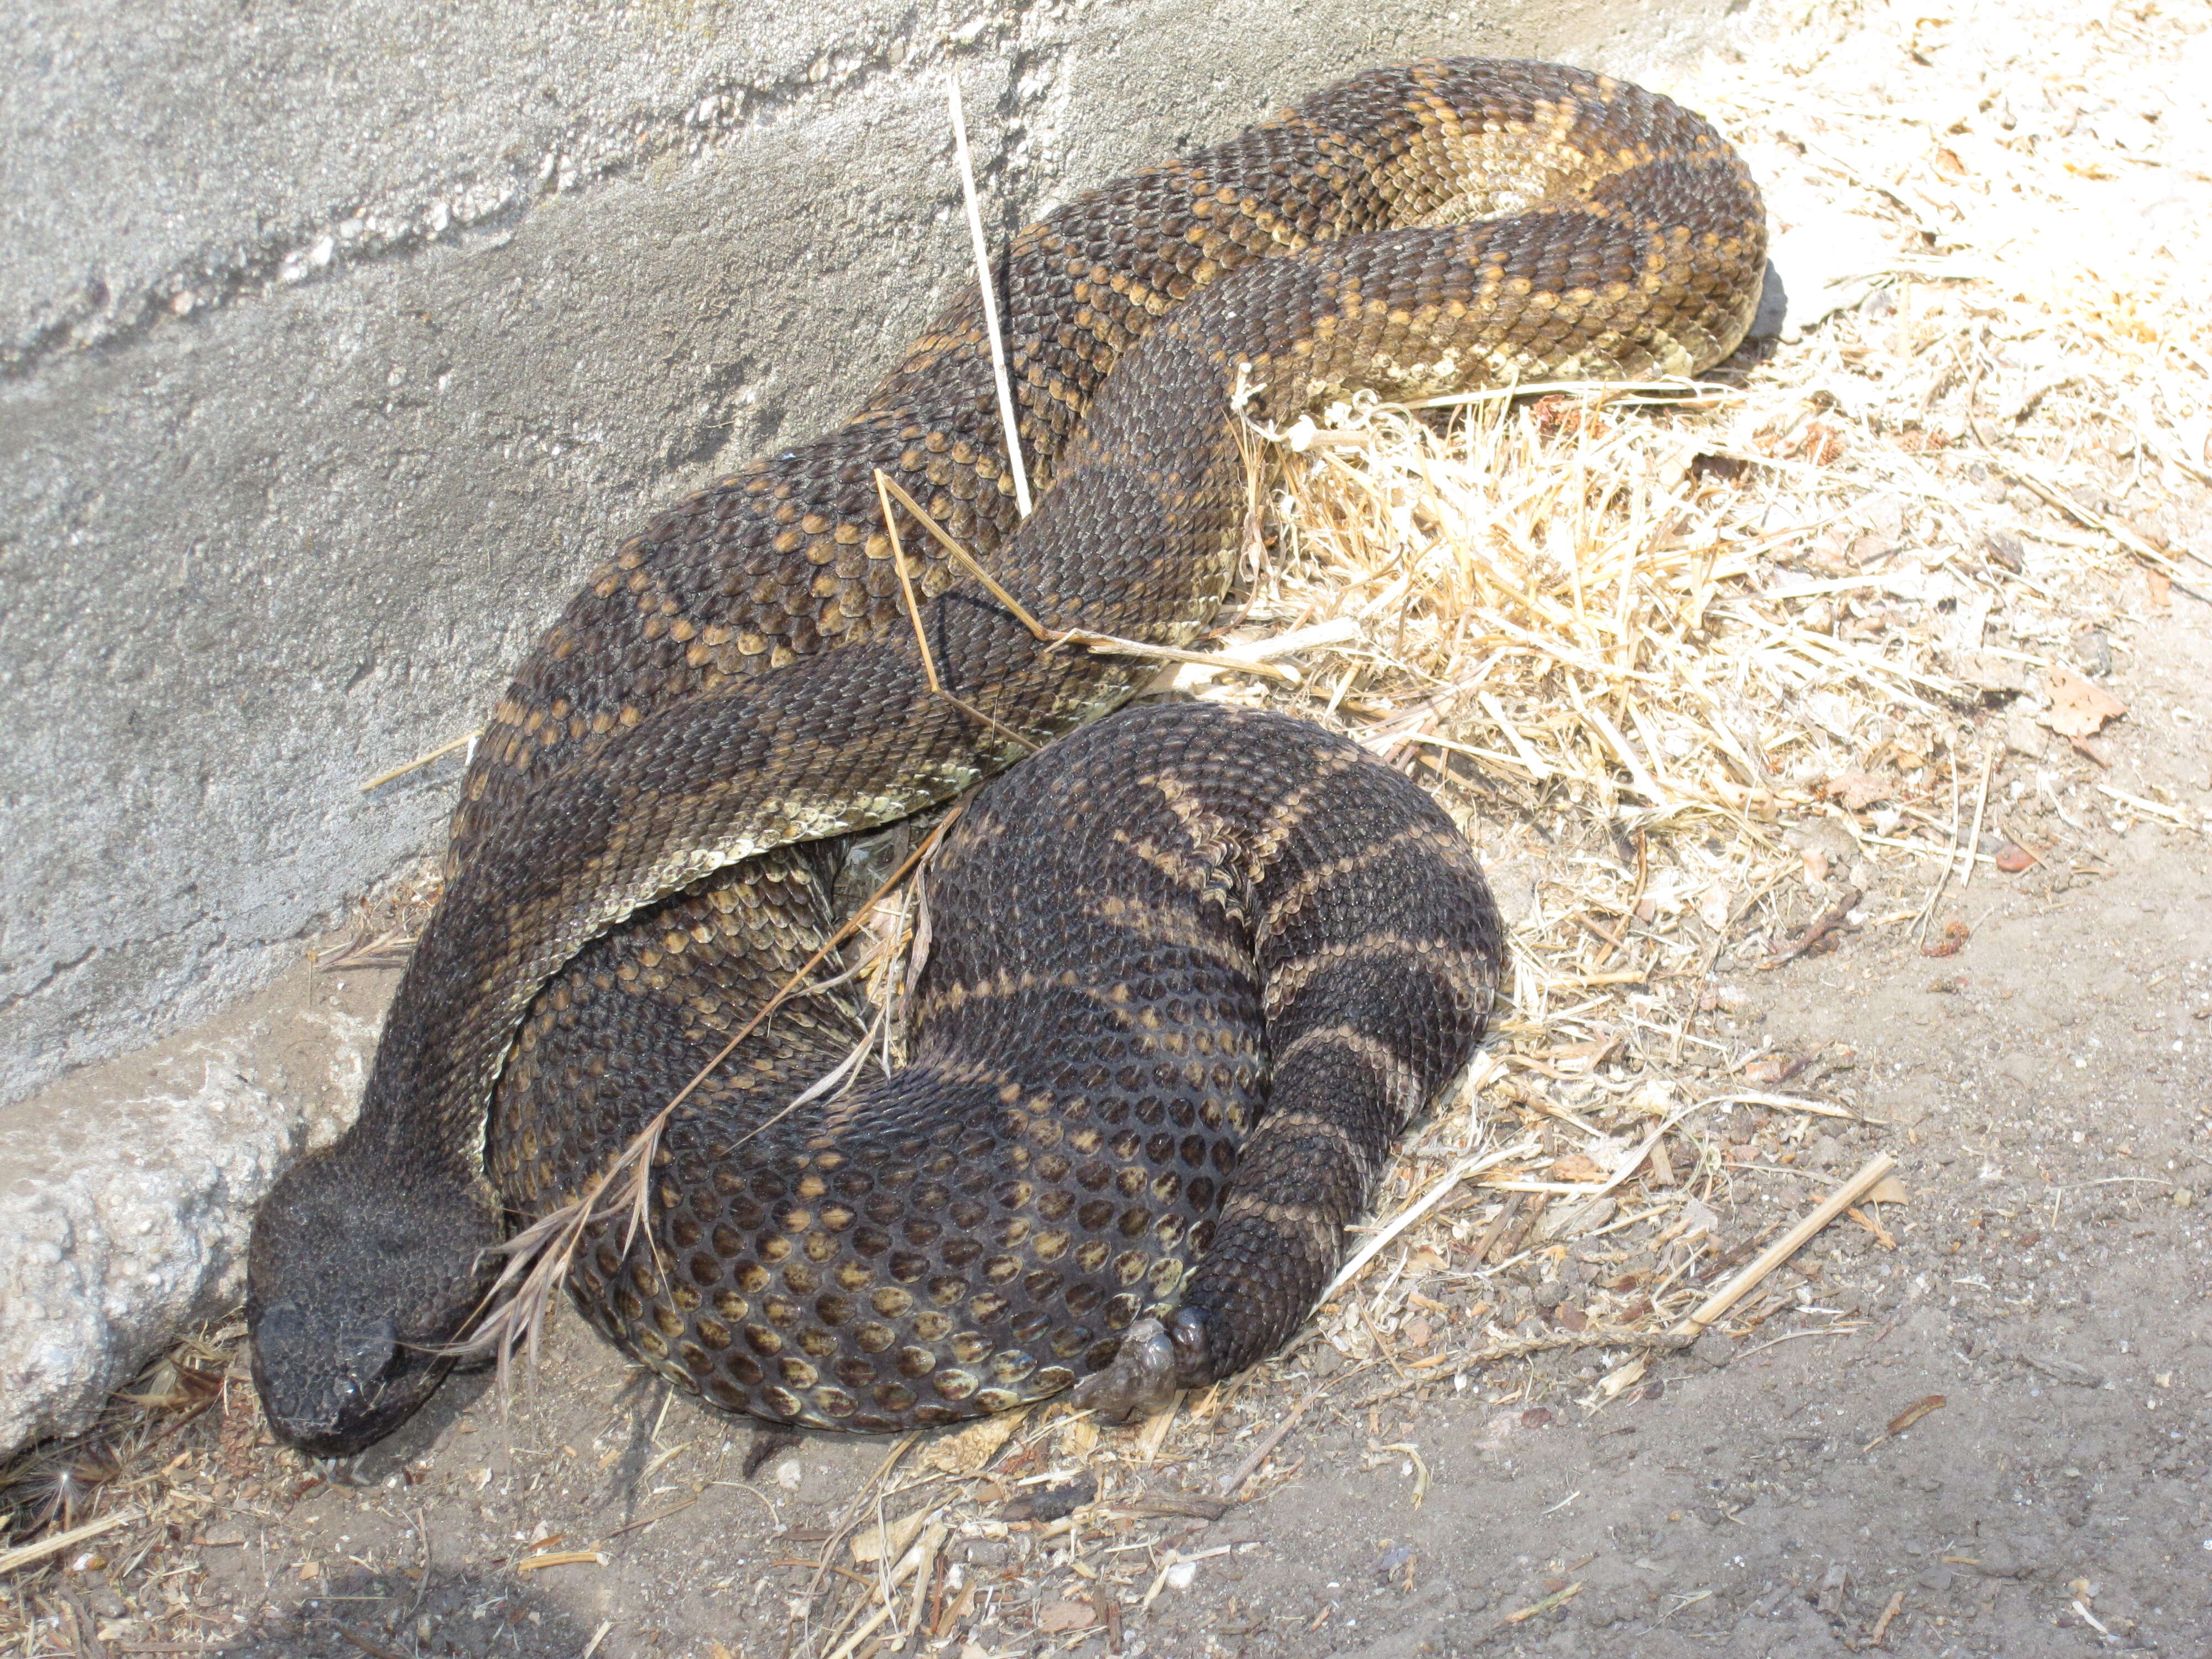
<point>1996,1561</point>
<point>2023,736</point>
<point>1057,1616</point>
<point>1835,1585</point>
<point>1053,1502</point>
<point>1713,1349</point>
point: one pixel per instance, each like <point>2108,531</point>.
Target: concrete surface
<point>125,1199</point>
<point>338,338</point>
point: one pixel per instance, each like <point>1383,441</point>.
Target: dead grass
<point>1714,674</point>
<point>1717,673</point>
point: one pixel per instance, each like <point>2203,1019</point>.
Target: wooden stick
<point>421,760</point>
<point>1107,644</point>
<point>883,483</point>
<point>23,1554</point>
<point>549,1243</point>
<point>906,584</point>
<point>1920,928</point>
<point>1104,644</point>
<point>1527,1224</point>
<point>2119,532</point>
<point>1787,1103</point>
<point>1495,1235</point>
<point>1788,1245</point>
<point>1006,414</point>
<point>944,538</point>
<point>1981,806</point>
<point>909,1564</point>
<point>1233,1482</point>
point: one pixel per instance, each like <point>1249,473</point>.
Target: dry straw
<point>1695,662</point>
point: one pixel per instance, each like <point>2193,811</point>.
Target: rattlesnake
<point>638,859</point>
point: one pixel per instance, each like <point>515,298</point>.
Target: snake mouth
<point>332,1388</point>
<point>349,1317</point>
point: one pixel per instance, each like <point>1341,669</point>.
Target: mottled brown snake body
<point>636,864</point>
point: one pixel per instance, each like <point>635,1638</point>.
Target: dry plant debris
<point>1716,675</point>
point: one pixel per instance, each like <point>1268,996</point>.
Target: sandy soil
<point>2045,1089</point>
<point>1976,1422</point>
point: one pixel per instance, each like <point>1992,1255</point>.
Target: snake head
<point>357,1277</point>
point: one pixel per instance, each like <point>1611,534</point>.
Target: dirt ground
<point>1973,1419</point>
<point>2044,1090</point>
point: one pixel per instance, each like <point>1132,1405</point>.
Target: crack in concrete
<point>462,205</point>
<point>55,973</point>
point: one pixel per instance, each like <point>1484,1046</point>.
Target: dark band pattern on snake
<point>637,862</point>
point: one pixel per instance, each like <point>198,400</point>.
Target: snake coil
<point>1191,970</point>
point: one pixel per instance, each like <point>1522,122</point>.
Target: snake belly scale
<point>638,858</point>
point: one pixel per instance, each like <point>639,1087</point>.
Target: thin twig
<point>420,760</point>
<point>967,560</point>
<point>1981,807</point>
<point>1443,1188</point>
<point>24,1554</point>
<point>906,585</point>
<point>1919,929</point>
<point>885,485</point>
<point>2124,534</point>
<point>1233,1482</point>
<point>1821,926</point>
<point>1007,417</point>
<point>539,1256</point>
<point>1106,645</point>
<point>1789,1245</point>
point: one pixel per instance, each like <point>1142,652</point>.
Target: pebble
<point>2022,735</point>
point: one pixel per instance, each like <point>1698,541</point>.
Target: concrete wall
<point>337,338</point>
